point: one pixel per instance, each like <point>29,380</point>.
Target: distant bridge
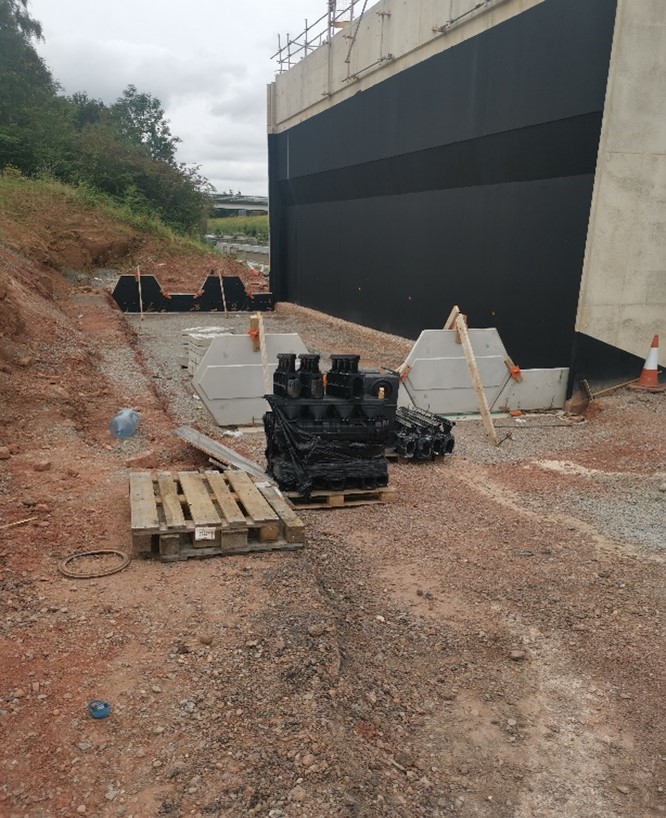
<point>224,203</point>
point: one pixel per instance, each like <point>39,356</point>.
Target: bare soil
<point>488,645</point>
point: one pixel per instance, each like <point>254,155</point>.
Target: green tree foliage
<point>140,119</point>
<point>126,150</point>
<point>87,111</point>
<point>23,72</point>
<point>14,17</point>
<point>178,195</point>
<point>27,89</point>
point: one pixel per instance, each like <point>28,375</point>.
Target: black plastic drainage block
<point>328,432</point>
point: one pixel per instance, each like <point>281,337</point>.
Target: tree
<point>28,94</point>
<point>140,120</point>
<point>23,73</point>
<point>107,162</point>
<point>176,194</point>
<point>87,111</point>
<point>14,17</point>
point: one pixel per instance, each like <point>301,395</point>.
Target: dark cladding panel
<point>565,147</point>
<point>278,216</point>
<point>508,254</point>
<point>548,63</point>
<point>601,363</point>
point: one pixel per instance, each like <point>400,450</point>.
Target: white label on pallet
<point>204,534</point>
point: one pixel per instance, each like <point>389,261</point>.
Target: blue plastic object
<point>99,709</point>
<point>124,424</point>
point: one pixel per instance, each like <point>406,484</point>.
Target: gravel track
<point>629,507</point>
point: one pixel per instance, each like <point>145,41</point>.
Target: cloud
<point>241,103</point>
<point>112,66</point>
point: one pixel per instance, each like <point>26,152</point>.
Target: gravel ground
<point>629,507</point>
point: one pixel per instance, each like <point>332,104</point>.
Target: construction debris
<point>17,522</point>
<point>93,564</point>
<point>219,452</point>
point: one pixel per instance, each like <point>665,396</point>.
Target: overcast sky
<point>208,61</point>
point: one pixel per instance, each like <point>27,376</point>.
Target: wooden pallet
<point>342,499</point>
<point>194,514</point>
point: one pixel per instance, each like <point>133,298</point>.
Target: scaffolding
<point>318,33</point>
<point>292,50</point>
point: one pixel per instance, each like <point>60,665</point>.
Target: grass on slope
<point>31,200</point>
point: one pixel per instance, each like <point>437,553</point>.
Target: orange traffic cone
<point>649,379</point>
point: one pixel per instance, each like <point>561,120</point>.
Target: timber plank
<point>255,505</point>
<point>228,506</point>
<point>169,547</point>
<point>294,527</point>
<point>187,552</point>
<point>343,499</point>
<point>173,511</point>
<point>488,425</point>
<point>142,502</point>
<point>201,506</point>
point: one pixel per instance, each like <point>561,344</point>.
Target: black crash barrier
<point>209,298</point>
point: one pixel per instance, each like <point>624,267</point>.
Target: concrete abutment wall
<point>623,289</point>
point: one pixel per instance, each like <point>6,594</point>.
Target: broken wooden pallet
<point>195,514</point>
<point>342,499</point>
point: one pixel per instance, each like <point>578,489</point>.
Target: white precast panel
<point>438,379</point>
<point>230,380</point>
<point>539,389</point>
